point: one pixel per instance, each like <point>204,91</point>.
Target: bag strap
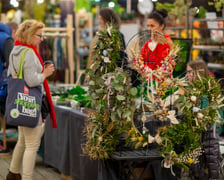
<point>21,62</point>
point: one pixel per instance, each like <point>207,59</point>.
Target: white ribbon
<point>156,139</point>
<point>171,116</point>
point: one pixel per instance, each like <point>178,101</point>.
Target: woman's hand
<point>48,70</point>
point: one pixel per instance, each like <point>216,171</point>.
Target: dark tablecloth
<point>62,146</point>
<point>62,150</point>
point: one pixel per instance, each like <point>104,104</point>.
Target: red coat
<point>153,58</point>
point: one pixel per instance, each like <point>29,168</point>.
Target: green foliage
<point>202,12</point>
<point>217,3</point>
<point>181,143</point>
<point>176,10</point>
<point>111,97</point>
<point>182,57</point>
<point>167,6</point>
<point>181,140</point>
<point>106,50</point>
<point>207,91</point>
<point>76,93</point>
<point>82,4</point>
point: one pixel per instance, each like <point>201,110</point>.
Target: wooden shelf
<point>207,19</point>
<point>84,25</point>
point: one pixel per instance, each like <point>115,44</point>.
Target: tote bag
<point>23,103</point>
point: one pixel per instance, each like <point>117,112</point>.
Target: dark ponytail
<point>159,16</point>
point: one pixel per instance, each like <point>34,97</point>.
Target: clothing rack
<point>66,32</point>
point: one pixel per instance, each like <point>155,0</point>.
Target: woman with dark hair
<point>154,51</point>
<point>107,16</point>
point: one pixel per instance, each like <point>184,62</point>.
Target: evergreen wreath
<point>111,97</point>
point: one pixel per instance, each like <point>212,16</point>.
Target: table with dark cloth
<point>62,150</point>
<point>62,146</point>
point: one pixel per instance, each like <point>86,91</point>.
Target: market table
<point>129,160</point>
<point>62,146</point>
<point>62,150</point>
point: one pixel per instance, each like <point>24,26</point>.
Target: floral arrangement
<point>111,97</point>
<point>157,96</point>
<point>168,63</point>
<point>181,144</point>
<point>203,98</point>
<point>155,93</point>
<point>180,141</point>
<point>114,102</point>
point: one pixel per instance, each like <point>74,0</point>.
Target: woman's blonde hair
<point>27,29</point>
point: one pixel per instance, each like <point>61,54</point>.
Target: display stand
<point>68,33</point>
<point>83,35</point>
<point>214,45</point>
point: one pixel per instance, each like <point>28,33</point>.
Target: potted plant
<point>217,3</point>
<point>176,11</point>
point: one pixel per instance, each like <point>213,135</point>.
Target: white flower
<point>100,139</point>
<point>200,115</point>
<point>151,139</point>
<point>168,81</point>
<point>196,109</point>
<point>193,98</point>
<point>106,59</point>
<point>105,53</point>
<point>167,163</point>
<point>171,116</point>
<point>158,139</point>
